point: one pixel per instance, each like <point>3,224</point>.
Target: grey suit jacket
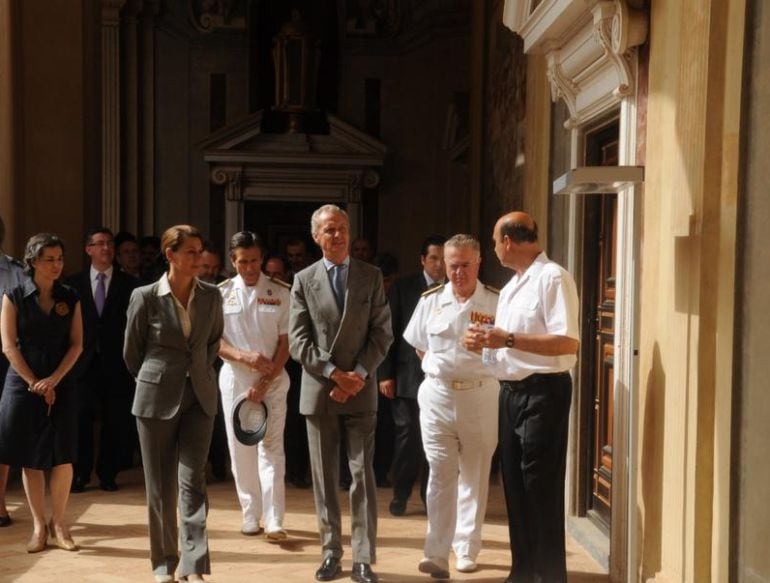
<point>160,358</point>
<point>319,334</point>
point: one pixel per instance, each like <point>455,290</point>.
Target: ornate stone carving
<point>111,12</point>
<point>210,15</point>
<point>371,179</point>
<point>562,86</point>
<point>611,31</point>
<point>590,79</point>
<point>232,180</point>
<point>354,190</point>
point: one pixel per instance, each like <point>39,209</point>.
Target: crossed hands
<point>346,385</point>
<point>258,362</point>
<point>46,388</point>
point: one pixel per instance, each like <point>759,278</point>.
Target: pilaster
<point>111,113</point>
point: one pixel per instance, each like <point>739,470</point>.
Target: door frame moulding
<point>589,48</point>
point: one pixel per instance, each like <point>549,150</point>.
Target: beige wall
<point>686,295</point>
<point>50,149</point>
<point>417,89</point>
<point>185,60</point>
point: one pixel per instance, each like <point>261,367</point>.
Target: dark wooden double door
<point>598,338</point>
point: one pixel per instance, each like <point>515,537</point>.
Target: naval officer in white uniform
<point>255,348</point>
<point>458,408</point>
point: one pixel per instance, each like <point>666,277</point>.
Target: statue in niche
<point>210,15</point>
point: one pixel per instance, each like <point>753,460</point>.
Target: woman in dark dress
<point>42,334</point>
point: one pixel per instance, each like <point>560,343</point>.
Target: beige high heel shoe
<point>63,542</point>
<point>37,541</point>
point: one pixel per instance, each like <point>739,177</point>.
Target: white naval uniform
<point>254,319</point>
<point>458,416</point>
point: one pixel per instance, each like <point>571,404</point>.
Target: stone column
<point>232,179</point>
<point>147,100</point>
<point>354,207</point>
<point>7,125</point>
<point>111,113</point>
<point>129,30</point>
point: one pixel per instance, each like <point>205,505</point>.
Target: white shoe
<point>251,528</point>
<point>164,579</point>
<point>436,567</point>
<point>276,535</point>
<point>465,564</point>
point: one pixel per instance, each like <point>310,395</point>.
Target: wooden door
<point>597,355</point>
<point>601,473</point>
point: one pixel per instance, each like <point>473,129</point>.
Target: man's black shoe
<point>329,569</point>
<point>362,573</point>
<point>398,506</point>
<point>109,486</point>
<point>78,485</point>
<point>5,521</point>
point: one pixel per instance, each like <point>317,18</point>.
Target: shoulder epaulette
<point>279,282</point>
<point>494,290</point>
<point>432,290</point>
<point>222,283</point>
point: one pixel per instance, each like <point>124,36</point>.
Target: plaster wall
<point>52,169</point>
<point>185,61</point>
<point>686,294</point>
<point>419,192</point>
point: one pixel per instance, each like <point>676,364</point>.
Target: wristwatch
<point>510,340</point>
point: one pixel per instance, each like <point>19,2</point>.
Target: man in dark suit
<point>400,375</point>
<point>339,330</point>
<point>105,388</point>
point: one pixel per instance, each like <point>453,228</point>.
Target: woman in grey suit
<point>172,340</point>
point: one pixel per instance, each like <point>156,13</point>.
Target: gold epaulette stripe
<point>432,290</point>
<point>279,282</point>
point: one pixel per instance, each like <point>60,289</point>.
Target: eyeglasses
<point>101,244</point>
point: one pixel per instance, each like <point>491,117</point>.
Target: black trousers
<point>534,419</point>
<point>105,396</point>
<point>408,455</point>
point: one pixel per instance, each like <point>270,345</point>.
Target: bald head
<point>518,226</point>
<point>515,238</point>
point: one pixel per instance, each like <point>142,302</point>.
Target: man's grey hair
<point>464,240</point>
<point>315,220</point>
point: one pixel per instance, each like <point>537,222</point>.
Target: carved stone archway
<point>323,168</point>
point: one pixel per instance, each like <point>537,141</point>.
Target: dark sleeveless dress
<point>29,436</point>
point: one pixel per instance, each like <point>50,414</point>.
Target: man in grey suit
<point>339,330</point>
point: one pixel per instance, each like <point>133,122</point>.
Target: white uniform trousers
<point>459,435</point>
<point>258,470</point>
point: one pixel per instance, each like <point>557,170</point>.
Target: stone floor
<point>111,530</point>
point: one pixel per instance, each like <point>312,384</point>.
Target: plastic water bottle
<point>488,355</point>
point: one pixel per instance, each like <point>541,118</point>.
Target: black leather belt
<point>533,380</point>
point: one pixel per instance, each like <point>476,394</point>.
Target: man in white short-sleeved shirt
<point>536,336</point>
<point>458,409</point>
<point>255,348</point>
